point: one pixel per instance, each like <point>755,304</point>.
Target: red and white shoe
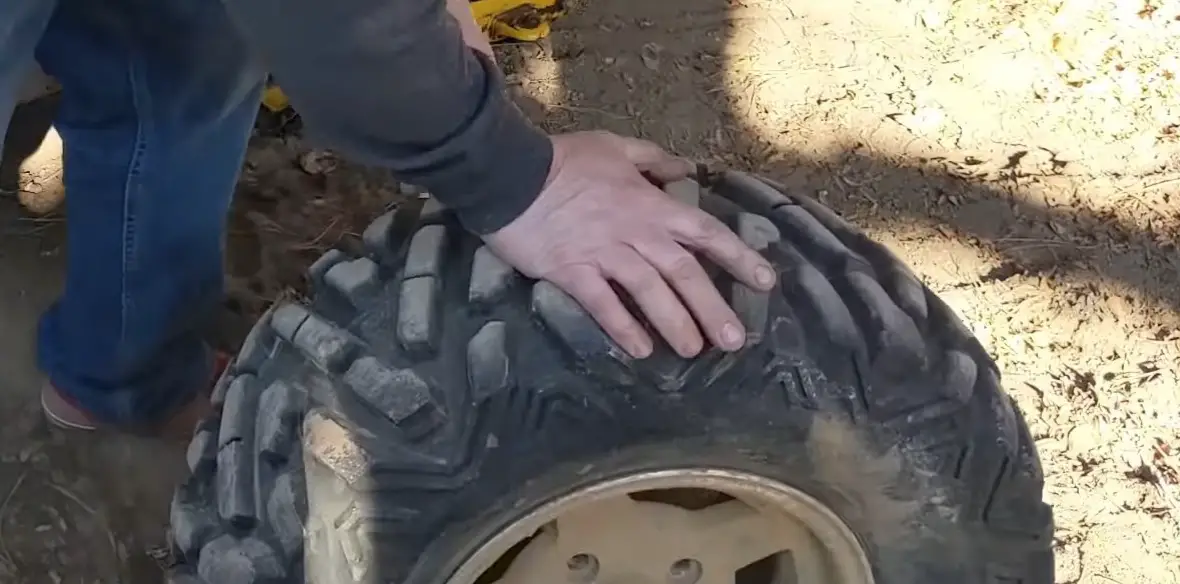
<point>62,412</point>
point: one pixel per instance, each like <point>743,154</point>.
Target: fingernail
<point>732,336</point>
<point>764,275</point>
<point>640,350</point>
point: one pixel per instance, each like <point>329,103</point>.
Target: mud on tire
<point>430,395</point>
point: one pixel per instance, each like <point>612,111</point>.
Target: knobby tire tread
<point>428,359</point>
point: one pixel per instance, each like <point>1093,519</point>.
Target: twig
<point>588,110</point>
<point>56,219</point>
<point>1166,493</point>
<point>102,520</point>
<point>1107,578</point>
<point>25,232</point>
<point>73,497</point>
<point>3,512</point>
<point>1160,183</point>
<point>315,243</point>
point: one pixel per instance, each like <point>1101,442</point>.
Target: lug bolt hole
<point>583,568</point>
<point>686,571</point>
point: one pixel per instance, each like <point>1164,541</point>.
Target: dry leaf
<point>318,162</point>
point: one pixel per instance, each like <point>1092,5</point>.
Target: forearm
<point>390,82</point>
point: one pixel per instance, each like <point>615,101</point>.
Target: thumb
<point>654,161</point>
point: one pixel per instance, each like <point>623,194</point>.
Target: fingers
<point>688,277</point>
<point>587,285</point>
<point>708,234</point>
<point>655,298</point>
<point>652,160</point>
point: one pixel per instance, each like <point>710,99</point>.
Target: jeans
<point>158,101</point>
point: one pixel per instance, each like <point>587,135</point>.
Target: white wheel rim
<point>605,534</point>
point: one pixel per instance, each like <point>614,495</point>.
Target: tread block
<point>235,485</point>
<point>748,191</point>
<point>217,397</point>
<point>398,394</point>
<point>831,220</point>
<point>952,330</point>
<point>757,231</point>
<point>905,287</point>
<point>776,185</point>
<point>789,336</point>
<point>378,236</point>
<point>804,282</point>
<point>287,319</point>
<point>427,250</point>
<point>490,277</point>
<point>960,375</point>
<point>177,576</point>
<point>1013,508</point>
<point>489,371</point>
<point>808,232</point>
<point>202,451</point>
<point>316,271</point>
<point>356,279</point>
<point>257,345</point>
<point>570,321</point>
<point>279,410</point>
<point>323,343</point>
<point>418,322</point>
<point>285,509</point>
<point>896,340</point>
<point>432,209</point>
<point>239,411</point>
<point>1028,462</point>
<point>669,372</point>
<point>753,306</point>
<point>753,310</point>
<point>907,292</point>
<point>193,522</point>
<point>580,333</point>
<point>1006,419</point>
<point>686,191</point>
<point>232,560</point>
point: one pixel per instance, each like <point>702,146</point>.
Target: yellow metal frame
<point>521,20</point>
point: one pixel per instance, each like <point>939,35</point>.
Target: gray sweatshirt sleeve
<point>391,83</point>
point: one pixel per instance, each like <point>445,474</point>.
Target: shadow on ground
<point>659,70</point>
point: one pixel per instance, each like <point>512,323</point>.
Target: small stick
<point>3,512</point>
<point>102,520</point>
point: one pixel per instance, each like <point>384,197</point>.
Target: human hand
<point>599,219</point>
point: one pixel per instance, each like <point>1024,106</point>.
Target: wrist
<point>505,171</point>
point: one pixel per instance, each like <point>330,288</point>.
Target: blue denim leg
<point>158,101</point>
<point>21,25</point>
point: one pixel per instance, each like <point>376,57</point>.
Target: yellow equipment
<point>520,20</point>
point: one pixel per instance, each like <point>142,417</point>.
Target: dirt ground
<point>1022,155</point>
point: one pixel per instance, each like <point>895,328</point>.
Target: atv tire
<point>429,396</point>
